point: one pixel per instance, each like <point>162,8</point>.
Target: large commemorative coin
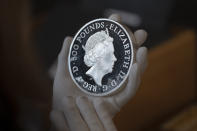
<point>100,57</point>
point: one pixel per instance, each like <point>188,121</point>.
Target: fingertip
<point>63,56</point>
<point>68,39</point>
<point>66,43</point>
<point>65,47</point>
<point>145,49</point>
<point>142,52</point>
<point>115,17</point>
<point>140,36</point>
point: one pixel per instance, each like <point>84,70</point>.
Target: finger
<point>72,114</point>
<point>141,58</point>
<point>57,118</point>
<point>133,81</point>
<point>63,55</point>
<point>140,37</point>
<point>104,116</point>
<point>130,33</point>
<point>115,17</point>
<point>89,114</point>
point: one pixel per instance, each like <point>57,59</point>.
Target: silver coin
<point>100,57</point>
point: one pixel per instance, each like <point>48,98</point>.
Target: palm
<point>64,85</point>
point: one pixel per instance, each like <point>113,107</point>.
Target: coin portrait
<point>100,57</point>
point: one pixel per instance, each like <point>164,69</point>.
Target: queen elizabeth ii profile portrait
<point>99,55</point>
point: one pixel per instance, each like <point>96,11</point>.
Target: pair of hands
<point>74,110</point>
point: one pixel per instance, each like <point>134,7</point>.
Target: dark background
<point>65,17</point>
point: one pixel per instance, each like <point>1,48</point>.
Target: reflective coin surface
<point>100,57</point>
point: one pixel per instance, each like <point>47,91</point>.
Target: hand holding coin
<point>95,96</point>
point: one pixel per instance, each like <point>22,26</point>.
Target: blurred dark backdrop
<point>65,17</point>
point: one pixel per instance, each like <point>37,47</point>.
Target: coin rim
<point>132,55</point>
